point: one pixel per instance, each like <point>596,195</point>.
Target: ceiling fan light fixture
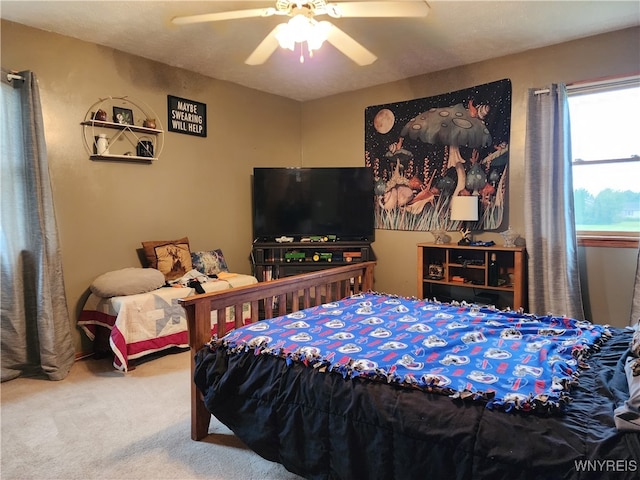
<point>318,35</point>
<point>302,27</point>
<point>299,29</point>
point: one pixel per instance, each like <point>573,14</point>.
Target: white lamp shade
<point>464,208</point>
<point>301,28</point>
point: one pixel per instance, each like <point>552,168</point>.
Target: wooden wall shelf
<point>123,139</point>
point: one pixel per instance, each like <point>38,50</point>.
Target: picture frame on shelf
<point>122,116</point>
<point>436,272</point>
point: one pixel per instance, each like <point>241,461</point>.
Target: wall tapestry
<point>423,152</point>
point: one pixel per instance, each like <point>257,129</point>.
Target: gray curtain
<point>550,233</point>
<point>35,330</point>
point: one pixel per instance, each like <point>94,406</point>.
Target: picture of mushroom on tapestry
<point>440,148</point>
<point>454,127</point>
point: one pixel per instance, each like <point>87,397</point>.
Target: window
<point>605,143</point>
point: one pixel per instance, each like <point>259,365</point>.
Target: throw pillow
<point>127,281</point>
<point>209,263</point>
<point>171,257</point>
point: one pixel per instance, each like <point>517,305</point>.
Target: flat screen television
<point>304,202</point>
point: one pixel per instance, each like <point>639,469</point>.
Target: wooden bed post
<point>199,307</point>
<point>198,319</point>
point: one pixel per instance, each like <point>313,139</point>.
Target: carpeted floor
<point>101,424</point>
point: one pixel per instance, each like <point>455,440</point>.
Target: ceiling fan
<point>302,26</point>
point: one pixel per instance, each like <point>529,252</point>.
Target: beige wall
<point>200,187</point>
<point>327,136</point>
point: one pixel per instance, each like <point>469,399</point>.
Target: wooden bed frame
<point>288,294</point>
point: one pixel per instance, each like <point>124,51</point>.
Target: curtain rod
<point>8,77</point>
<point>590,86</point>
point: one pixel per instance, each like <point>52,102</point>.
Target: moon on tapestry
<point>425,152</point>
<point>384,120</point>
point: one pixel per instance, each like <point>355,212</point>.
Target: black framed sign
<point>187,116</point>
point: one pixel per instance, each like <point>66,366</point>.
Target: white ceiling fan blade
<point>231,15</point>
<point>350,47</point>
<point>266,48</point>
<point>404,8</point>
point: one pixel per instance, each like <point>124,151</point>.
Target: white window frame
<point>606,238</point>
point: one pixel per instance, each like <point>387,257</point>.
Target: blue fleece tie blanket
<point>506,359</point>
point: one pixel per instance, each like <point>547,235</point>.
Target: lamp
<point>302,28</point>
<point>464,209</point>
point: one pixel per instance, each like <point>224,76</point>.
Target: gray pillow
<point>127,281</point>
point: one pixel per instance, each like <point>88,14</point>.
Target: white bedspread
<point>149,322</point>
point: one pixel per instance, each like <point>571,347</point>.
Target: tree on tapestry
<point>424,152</point>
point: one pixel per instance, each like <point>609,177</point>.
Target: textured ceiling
<point>454,33</point>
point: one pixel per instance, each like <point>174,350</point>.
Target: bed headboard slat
<point>307,298</point>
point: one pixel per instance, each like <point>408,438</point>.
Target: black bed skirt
<point>323,426</point>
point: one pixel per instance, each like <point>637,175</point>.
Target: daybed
<point>349,384</point>
<point>134,312</point>
<point>145,323</point>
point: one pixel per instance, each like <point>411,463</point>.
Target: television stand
<point>272,260</point>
